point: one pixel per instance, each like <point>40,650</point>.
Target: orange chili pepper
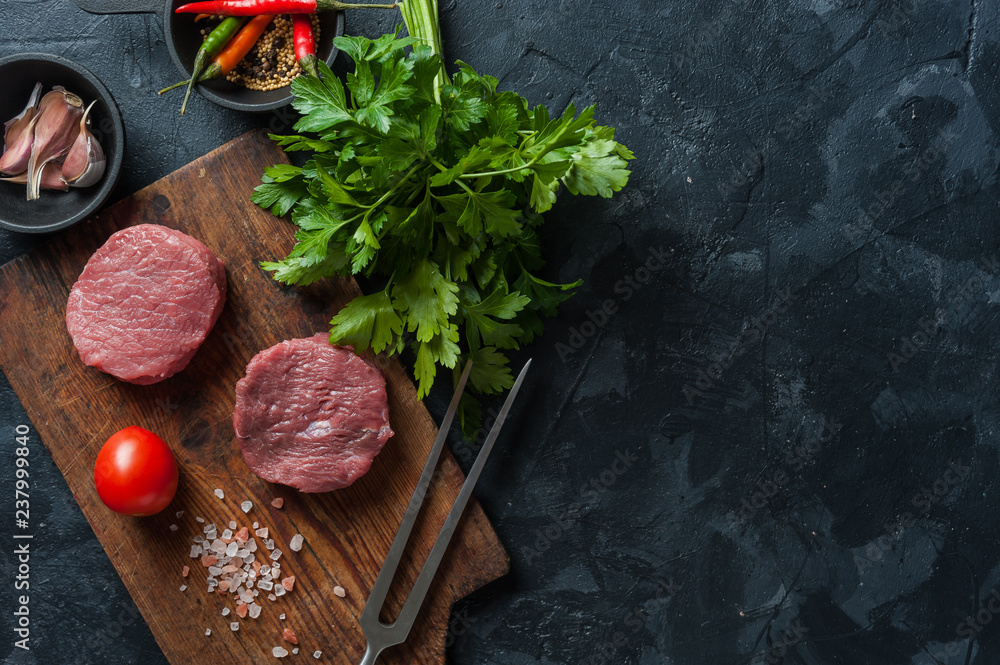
<point>237,49</point>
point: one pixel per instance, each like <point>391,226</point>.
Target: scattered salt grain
<point>288,582</point>
<point>246,506</point>
<point>275,555</point>
<point>228,534</point>
<point>195,551</point>
<point>214,570</point>
<point>339,592</point>
<point>295,650</point>
<point>184,587</point>
<point>262,532</point>
<point>241,610</point>
<point>266,585</point>
<point>222,495</point>
<point>184,571</point>
<point>199,520</point>
<point>279,591</point>
<point>317,654</point>
<point>271,597</point>
<point>289,636</point>
<point>208,631</point>
<point>234,626</point>
<point>269,543</point>
<point>225,611</point>
<point>232,549</point>
<point>278,503</point>
<point>256,524</point>
<point>207,529</point>
<point>282,616</point>
<point>173,527</point>
<point>232,524</point>
<point>296,542</point>
<point>178,514</point>
<point>198,539</point>
<point>279,652</point>
<point>254,610</point>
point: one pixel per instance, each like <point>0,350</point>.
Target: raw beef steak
<point>311,415</point>
<point>145,302</point>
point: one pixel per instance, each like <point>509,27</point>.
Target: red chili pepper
<point>305,44</point>
<point>256,7</point>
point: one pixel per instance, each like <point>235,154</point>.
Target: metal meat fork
<point>379,635</point>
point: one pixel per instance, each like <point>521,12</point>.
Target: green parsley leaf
<point>428,300</point>
<point>367,322</point>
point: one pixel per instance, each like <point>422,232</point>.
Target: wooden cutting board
<point>347,532</point>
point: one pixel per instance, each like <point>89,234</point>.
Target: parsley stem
<point>469,176</point>
<point>532,162</point>
<point>382,199</point>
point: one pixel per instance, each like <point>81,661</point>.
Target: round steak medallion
<point>145,302</point>
<point>311,415</point>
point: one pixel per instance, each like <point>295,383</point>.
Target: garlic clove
<point>84,164</point>
<point>18,137</point>
<point>56,127</point>
<point>51,178</point>
<point>13,128</point>
<point>15,159</point>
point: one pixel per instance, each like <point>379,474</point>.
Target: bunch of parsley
<point>436,186</point>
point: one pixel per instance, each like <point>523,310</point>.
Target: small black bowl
<point>186,39</point>
<point>56,210</point>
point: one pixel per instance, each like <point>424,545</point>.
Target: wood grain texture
<point>347,532</point>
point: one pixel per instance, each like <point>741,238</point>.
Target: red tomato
<point>135,473</point>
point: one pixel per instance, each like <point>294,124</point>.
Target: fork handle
<point>370,656</point>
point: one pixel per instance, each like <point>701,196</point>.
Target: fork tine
<point>416,598</point>
<point>384,580</point>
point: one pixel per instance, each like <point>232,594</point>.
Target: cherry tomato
<point>135,472</point>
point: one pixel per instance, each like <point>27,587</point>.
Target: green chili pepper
<point>214,43</point>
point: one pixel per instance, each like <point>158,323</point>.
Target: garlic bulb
<point>56,127</point>
<point>18,136</point>
<point>85,162</point>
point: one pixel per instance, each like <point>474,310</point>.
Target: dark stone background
<point>805,390</point>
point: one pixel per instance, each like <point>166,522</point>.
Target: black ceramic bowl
<point>56,210</point>
<point>185,39</point>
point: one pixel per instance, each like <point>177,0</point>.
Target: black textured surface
<point>778,441</point>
